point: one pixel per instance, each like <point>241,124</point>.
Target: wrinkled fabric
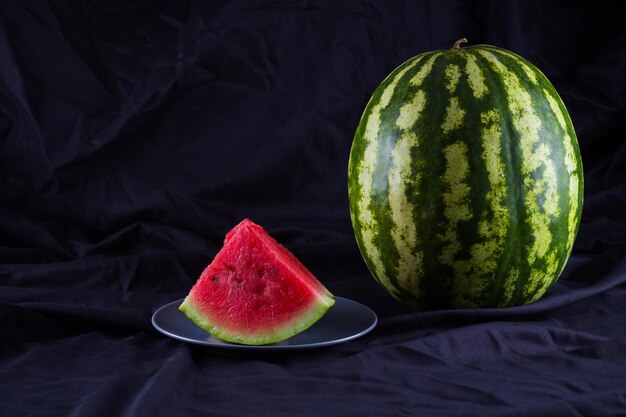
<point>134,135</point>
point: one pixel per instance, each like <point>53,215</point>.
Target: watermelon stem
<point>457,44</point>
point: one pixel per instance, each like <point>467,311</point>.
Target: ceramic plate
<point>344,321</point>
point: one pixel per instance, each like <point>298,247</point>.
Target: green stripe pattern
<point>465,181</point>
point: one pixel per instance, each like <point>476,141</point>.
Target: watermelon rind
<point>298,325</point>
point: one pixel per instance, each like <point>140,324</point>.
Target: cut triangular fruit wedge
<point>255,292</point>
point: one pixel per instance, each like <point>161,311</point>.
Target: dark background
<point>134,135</point>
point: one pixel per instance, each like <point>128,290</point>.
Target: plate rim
<point>271,347</point>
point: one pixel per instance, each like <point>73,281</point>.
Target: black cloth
<point>135,134</point>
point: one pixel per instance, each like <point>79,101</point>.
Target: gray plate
<point>344,321</point>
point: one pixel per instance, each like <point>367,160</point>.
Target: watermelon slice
<point>255,291</point>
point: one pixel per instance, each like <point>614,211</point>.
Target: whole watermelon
<point>465,180</point>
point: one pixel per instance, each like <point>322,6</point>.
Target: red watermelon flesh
<point>255,291</point>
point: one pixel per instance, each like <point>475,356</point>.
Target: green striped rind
<point>465,181</point>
